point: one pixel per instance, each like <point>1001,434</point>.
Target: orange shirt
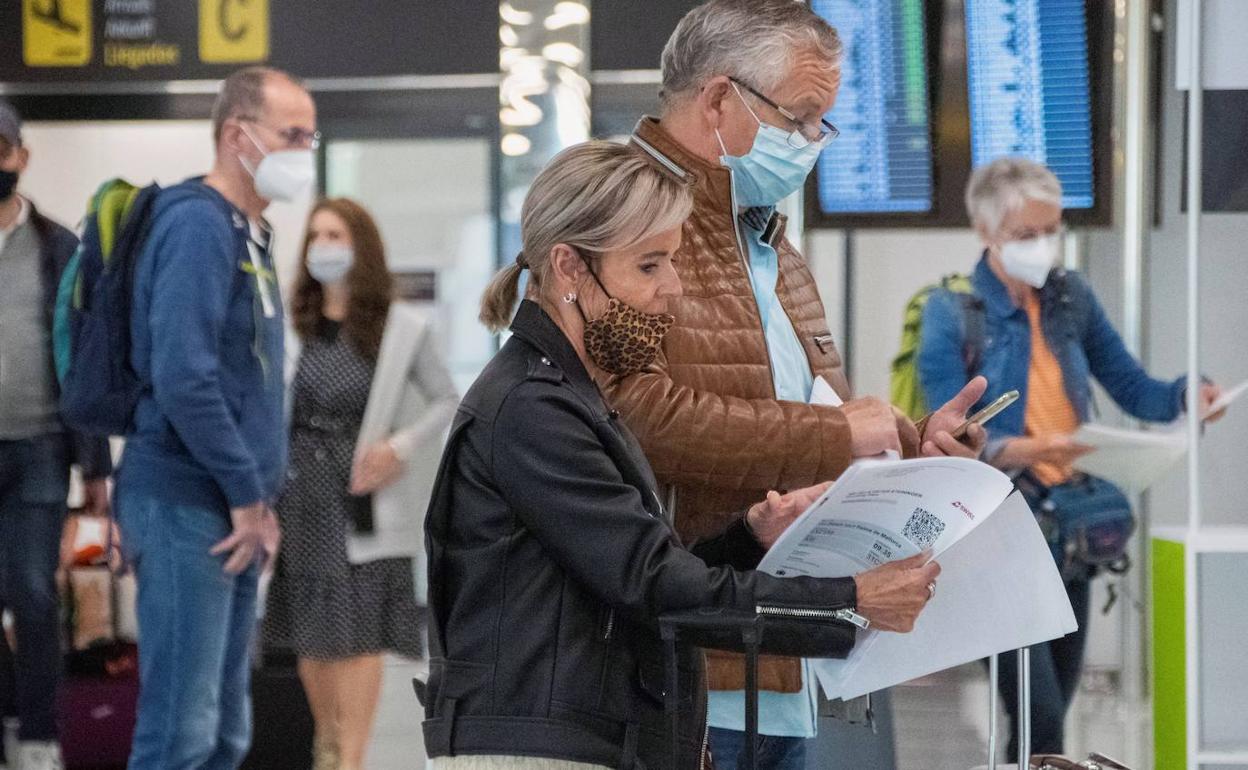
<point>1049,410</point>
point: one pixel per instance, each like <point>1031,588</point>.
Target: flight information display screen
<point>1028,81</point>
<point>882,160</point>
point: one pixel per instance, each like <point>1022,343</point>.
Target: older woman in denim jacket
<point>1045,335</point>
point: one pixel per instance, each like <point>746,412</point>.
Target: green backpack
<point>905,391</point>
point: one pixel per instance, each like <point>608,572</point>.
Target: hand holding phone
<point>985,414</point>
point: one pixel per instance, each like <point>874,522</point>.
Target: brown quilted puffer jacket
<point>706,412</point>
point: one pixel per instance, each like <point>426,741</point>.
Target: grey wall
<point>1224,323</point>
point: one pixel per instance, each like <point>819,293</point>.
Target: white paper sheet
<point>822,393</point>
<point>998,590</point>
<point>1132,459</point>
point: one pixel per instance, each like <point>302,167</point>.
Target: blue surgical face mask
<point>773,169</point>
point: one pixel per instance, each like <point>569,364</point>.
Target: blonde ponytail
<point>499,300</point>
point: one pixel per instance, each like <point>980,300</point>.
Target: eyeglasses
<point>294,137</point>
<point>805,134</point>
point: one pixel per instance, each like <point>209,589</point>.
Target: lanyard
<point>264,276</point>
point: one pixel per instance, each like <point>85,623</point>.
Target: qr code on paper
<point>923,529</point>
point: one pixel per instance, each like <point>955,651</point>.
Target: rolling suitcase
<point>721,629</point>
<point>98,699</point>
<point>1024,709</point>
<point>97,720</point>
<point>1025,760</point>
<point>738,631</point>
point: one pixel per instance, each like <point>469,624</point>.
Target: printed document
<point>885,510</point>
<point>998,591</point>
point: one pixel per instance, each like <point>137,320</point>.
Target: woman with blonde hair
<point>551,555</point>
<point>370,399</point>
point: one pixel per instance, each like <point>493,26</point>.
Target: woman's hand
<point>378,467</point>
<point>1059,449</point>
<point>1209,393</point>
<point>892,595</point>
<point>770,518</point>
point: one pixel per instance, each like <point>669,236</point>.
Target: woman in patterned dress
<point>337,611</point>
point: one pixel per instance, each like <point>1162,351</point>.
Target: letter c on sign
<point>223,21</point>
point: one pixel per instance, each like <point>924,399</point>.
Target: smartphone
<point>986,414</point>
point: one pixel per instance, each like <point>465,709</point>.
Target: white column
<point>1195,114</point>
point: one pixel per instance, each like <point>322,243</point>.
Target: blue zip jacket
<point>209,422</point>
<point>1078,332</point>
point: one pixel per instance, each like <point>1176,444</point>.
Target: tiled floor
<point>940,722</point>
<point>397,742</point>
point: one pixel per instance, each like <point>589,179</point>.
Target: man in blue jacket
<point>35,456</point>
<point>207,453</point>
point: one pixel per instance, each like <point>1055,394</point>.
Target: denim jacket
<point>1078,333</point>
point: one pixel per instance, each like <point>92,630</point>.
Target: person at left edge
<point>206,456</point>
<point>36,451</point>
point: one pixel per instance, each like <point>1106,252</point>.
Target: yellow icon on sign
<point>56,33</point>
<point>233,31</point>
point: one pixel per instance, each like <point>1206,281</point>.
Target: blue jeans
<point>1055,670</point>
<point>34,480</point>
<point>195,630</point>
<point>775,752</point>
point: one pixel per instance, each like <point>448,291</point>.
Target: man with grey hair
<point>724,414</point>
<point>206,454</point>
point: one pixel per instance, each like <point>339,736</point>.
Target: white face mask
<point>282,175</point>
<point>1032,260</point>
<point>329,262</point>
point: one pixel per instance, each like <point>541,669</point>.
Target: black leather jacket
<point>550,558</point>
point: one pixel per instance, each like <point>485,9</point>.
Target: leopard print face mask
<point>624,340</point>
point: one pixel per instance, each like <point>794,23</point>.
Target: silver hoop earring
<point>570,297</point>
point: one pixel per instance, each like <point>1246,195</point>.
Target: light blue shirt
<point>783,714</point>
